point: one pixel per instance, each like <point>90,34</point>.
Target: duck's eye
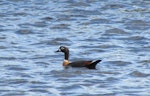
<point>62,48</point>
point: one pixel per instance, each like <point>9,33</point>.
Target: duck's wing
<point>89,64</point>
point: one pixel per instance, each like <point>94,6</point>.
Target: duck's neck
<point>66,59</point>
<point>66,55</point>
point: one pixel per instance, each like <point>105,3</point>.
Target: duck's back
<point>80,63</point>
<point>88,64</point>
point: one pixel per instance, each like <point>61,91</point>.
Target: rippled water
<point>116,31</point>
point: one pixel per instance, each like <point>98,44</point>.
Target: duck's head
<point>63,49</point>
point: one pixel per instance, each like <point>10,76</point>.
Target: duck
<point>90,64</point>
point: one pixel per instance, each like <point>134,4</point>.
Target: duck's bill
<point>58,50</point>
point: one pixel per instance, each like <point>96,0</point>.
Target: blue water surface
<point>116,31</point>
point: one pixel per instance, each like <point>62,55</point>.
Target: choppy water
<point>116,31</point>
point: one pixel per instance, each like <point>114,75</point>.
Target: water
<point>115,31</point>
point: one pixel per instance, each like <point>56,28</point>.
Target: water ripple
<point>139,74</point>
<point>115,31</point>
<point>137,25</point>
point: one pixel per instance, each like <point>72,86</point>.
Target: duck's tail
<point>93,64</point>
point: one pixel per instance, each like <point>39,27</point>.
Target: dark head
<point>65,50</point>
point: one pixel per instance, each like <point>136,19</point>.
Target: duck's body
<point>88,64</point>
<point>91,64</point>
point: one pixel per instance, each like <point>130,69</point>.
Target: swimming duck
<point>91,64</point>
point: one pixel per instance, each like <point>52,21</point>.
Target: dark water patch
<point>60,74</point>
<point>100,21</point>
<point>113,6</point>
<point>94,50</point>
<point>111,35</point>
<point>4,90</point>
<point>139,74</point>
<point>94,94</point>
<point>40,24</point>
<point>85,12</point>
<point>37,57</point>
<point>70,87</point>
<point>145,62</point>
<point>23,74</point>
<point>136,50</point>
<point>70,74</point>
<point>3,83</point>
<point>136,38</point>
<point>87,94</point>
<point>137,25</point>
<point>108,94</point>
<point>2,29</point>
<point>2,38</point>
<point>92,82</point>
<point>62,17</point>
<point>60,26</point>
<point>42,86</point>
<point>12,19</point>
<point>24,31</point>
<point>78,16</point>
<point>15,67</point>
<point>21,50</point>
<point>103,73</point>
<point>140,40</point>
<point>33,24</point>
<point>15,0</point>
<point>8,58</point>
<point>57,41</point>
<point>77,1</point>
<point>20,14</point>
<point>105,38</point>
<point>68,94</point>
<point>15,93</point>
<point>80,4</point>
<point>142,3</point>
<point>25,25</point>
<point>3,47</point>
<point>112,79</point>
<point>119,63</point>
<point>141,10</point>
<point>108,46</point>
<point>115,31</point>
<point>47,18</point>
<point>44,64</point>
<point>147,46</point>
<point>2,14</point>
<point>39,90</point>
<point>16,81</point>
<point>89,48</point>
<point>1,26</point>
<point>133,93</point>
<point>89,40</point>
<point>37,83</point>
